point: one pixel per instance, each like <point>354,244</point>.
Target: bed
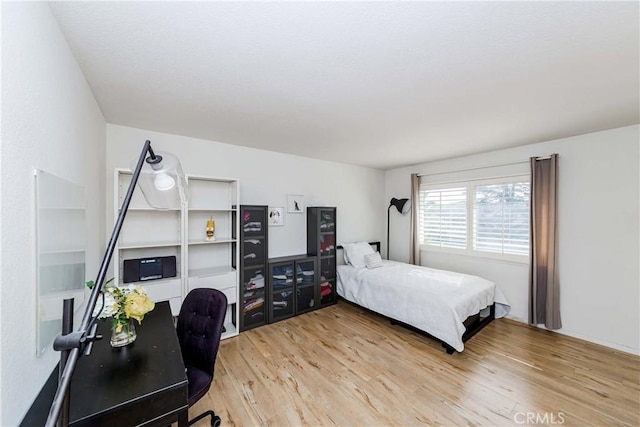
<point>450,307</point>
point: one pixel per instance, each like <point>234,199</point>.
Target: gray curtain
<point>544,287</point>
<point>414,250</point>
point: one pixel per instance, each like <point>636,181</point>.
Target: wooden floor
<point>343,365</point>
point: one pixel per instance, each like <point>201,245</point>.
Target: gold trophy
<point>211,229</point>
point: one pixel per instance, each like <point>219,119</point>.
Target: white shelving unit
<point>149,232</point>
<point>212,264</point>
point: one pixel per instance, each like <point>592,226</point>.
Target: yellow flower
<point>137,304</point>
<point>118,327</point>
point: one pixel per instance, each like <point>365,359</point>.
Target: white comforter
<point>435,301</point>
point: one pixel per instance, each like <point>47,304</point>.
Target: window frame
<point>452,186</point>
<point>470,185</point>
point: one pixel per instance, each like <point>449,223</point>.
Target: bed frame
<point>473,324</point>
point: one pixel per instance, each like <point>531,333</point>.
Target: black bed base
<point>474,327</point>
<point>474,324</point>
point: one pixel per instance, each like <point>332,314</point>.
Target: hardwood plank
<point>344,365</point>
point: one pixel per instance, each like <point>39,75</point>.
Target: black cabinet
<point>293,286</point>
<point>274,289</point>
<point>321,243</point>
<point>254,249</point>
<point>306,285</point>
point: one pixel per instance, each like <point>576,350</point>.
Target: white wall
<point>265,179</point>
<point>50,121</point>
<point>598,237</point>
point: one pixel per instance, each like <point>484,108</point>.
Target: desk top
<point>131,385</point>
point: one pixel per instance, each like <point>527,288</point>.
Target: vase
<point>125,336</point>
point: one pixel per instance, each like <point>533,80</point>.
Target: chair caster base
<point>215,420</point>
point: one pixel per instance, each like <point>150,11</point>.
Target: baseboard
<point>578,335</point>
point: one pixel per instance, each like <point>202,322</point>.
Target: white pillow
<point>355,253</point>
<point>344,254</point>
<point>373,260</point>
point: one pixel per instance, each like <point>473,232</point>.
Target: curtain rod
<point>487,178</point>
<point>484,167</point>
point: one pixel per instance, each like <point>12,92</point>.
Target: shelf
<point>249,236</point>
<point>61,208</point>
<point>62,251</point>
<point>232,331</point>
<point>149,209</point>
<point>159,283</point>
<point>212,242</point>
<point>194,177</point>
<point>142,245</point>
<point>212,209</point>
<point>212,271</point>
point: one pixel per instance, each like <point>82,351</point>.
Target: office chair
<point>199,328</point>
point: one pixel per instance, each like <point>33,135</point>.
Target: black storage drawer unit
<point>293,286</point>
<point>254,249</point>
<point>274,289</point>
<point>321,243</point>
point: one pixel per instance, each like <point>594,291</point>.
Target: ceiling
<point>378,84</point>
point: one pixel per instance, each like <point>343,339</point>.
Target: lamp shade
<point>162,181</point>
<point>402,205</point>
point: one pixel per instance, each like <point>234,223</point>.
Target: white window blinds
<point>501,218</point>
<point>488,218</point>
<point>443,217</point>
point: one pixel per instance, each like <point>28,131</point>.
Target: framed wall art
<point>275,216</point>
<point>295,203</point>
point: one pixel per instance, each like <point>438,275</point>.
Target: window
<point>486,218</point>
<point>443,218</point>
<point>501,218</point>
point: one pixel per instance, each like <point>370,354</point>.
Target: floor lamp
<point>163,185</point>
<point>403,206</point>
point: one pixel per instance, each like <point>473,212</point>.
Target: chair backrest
<point>199,327</point>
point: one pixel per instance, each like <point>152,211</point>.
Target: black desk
<point>143,383</point>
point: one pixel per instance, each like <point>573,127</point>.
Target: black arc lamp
<point>163,185</point>
<point>403,206</point>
